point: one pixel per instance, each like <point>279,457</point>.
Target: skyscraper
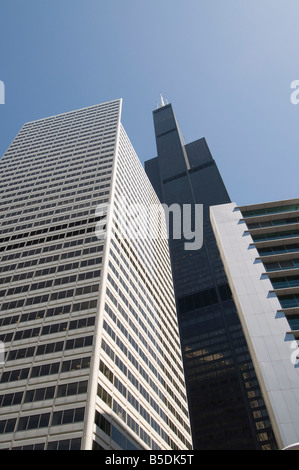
<point>92,355</point>
<point>222,387</point>
<point>259,246</point>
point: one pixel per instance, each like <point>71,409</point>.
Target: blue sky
<point>226,67</point>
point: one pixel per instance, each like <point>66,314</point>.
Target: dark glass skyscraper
<point>226,406</point>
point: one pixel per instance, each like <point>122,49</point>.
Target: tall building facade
<point>259,245</point>
<point>223,390</point>
<point>92,356</point>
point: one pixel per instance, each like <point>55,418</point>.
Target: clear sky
<point>226,67</point>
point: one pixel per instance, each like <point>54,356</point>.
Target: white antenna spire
<point>162,101</point>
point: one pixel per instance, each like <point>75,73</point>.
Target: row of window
<point>59,295</point>
<point>58,161</point>
<point>273,223</point>
<point>35,315</point>
<point>276,235</point>
<point>39,160</point>
<point>270,210</point>
<point>45,393</point>
<point>77,173</point>
<point>49,248</point>
<point>151,401</point>
<point>173,379</point>
<point>86,187</point>
<point>38,136</point>
<point>49,348</point>
<point>123,441</point>
<point>38,157</point>
<point>168,319</point>
<point>289,301</point>
<point>276,250</point>
<point>144,413</point>
<point>60,195</point>
<point>65,124</point>
<point>285,282</point>
<point>64,444</point>
<point>48,312</point>
<point>38,165</point>
<point>103,111</point>
<point>50,238</point>
<point>167,336</point>
<point>52,328</point>
<point>138,429</point>
<point>124,330</point>
<point>113,356</point>
<point>49,259</point>
<point>72,278</point>
<point>282,264</point>
<point>27,423</point>
<point>116,435</point>
<point>45,271</point>
<point>135,190</point>
<point>26,142</point>
<point>51,181</point>
<point>68,208</point>
<point>34,159</point>
<point>40,188</point>
<point>70,365</point>
<point>293,322</point>
<point>64,217</point>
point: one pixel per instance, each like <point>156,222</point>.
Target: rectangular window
<point>68,416</point>
<point>73,388</point>
<point>39,394</point>
<point>7,425</point>
<point>103,423</point>
<point>33,422</point>
<point>11,399</point>
<point>104,395</point>
<point>121,413</point>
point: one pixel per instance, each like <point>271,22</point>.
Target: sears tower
<point>227,410</point>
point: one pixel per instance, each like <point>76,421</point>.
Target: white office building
<point>92,356</point>
<point>259,246</point>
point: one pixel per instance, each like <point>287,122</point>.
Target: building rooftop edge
<point>74,110</point>
<point>262,205</point>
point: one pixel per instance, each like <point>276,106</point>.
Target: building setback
<point>88,322</point>
<point>225,402</point>
<point>259,245</point>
